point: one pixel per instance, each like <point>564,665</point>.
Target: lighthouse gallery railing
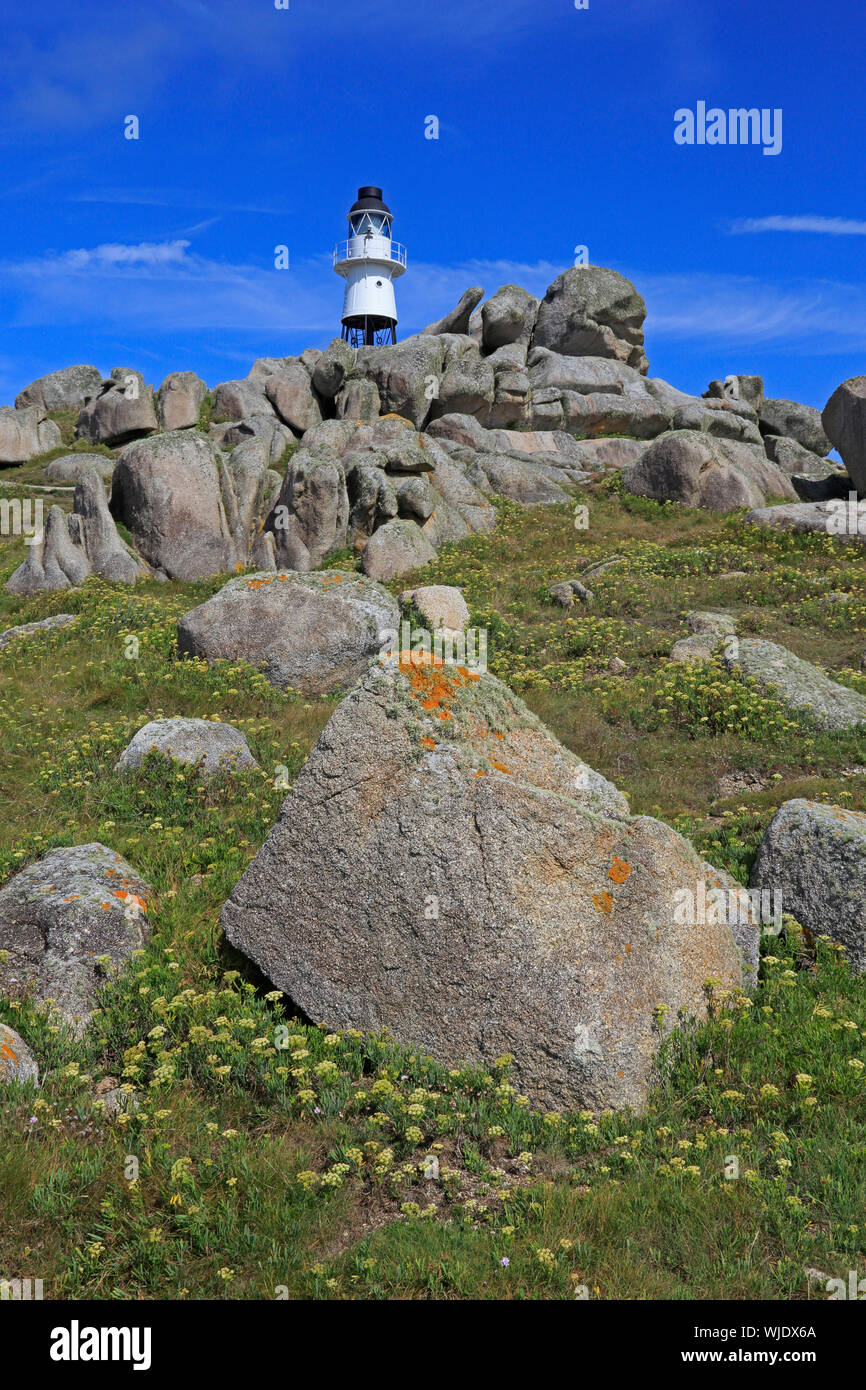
<point>347,251</point>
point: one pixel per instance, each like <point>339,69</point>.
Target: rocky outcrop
<point>438,606</point>
<point>315,633</point>
<point>72,467</point>
<point>73,546</point>
<point>592,311</point>
<point>508,317</point>
<point>66,389</point>
<point>26,433</point>
<point>814,857</point>
<point>444,868</point>
<point>835,518</point>
<point>191,513</point>
<point>844,420</point>
<point>66,921</point>
<point>206,743</point>
<point>122,410</point>
<point>800,422</point>
<point>290,392</point>
<point>701,471</point>
<point>394,549</point>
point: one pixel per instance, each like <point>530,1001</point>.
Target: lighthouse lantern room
<point>369,262</point>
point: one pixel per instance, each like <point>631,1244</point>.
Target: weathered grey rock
<point>471,885</point>
<point>332,368</point>
<point>439,606</point>
<point>314,632</point>
<point>814,856</point>
<point>747,389</point>
<point>358,399</point>
<point>123,410</point>
<point>28,629</point>
<point>458,319</point>
<point>716,418</point>
<point>701,471</point>
<point>467,386</point>
<point>291,394</point>
<point>407,375</point>
<point>59,916</point>
<point>708,630</point>
<point>311,514</point>
<point>718,624</point>
<point>191,513</point>
<point>508,317</point>
<point>520,479</point>
<point>800,422</point>
<point>836,517</point>
<point>17,1062</point>
<point>72,547</point>
<point>26,433</point>
<point>72,467</point>
<point>395,548</point>
<point>584,375</point>
<point>793,458</point>
<point>634,412</point>
<point>237,400</point>
<point>844,420</point>
<point>179,401</point>
<point>216,747</point>
<point>798,685</point>
<point>66,389</point>
<point>372,502</point>
<point>593,311</point>
<point>271,431</point>
<point>263,367</point>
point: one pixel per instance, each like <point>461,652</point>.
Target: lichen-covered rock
<point>444,868</point>
<point>62,390</point>
<point>800,422</point>
<point>17,1062</point>
<point>439,606</point>
<point>25,433</point>
<point>72,467</point>
<point>191,513</point>
<point>62,917</point>
<point>814,856</point>
<point>314,632</point>
<point>290,392</point>
<point>122,410</point>
<point>800,686</point>
<point>179,401</point>
<point>216,747</point>
<point>508,317</point>
<point>832,518</point>
<point>590,311</point>
<point>702,471</point>
<point>395,548</point>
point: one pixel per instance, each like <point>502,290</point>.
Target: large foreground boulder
<point>814,856</point>
<point>61,916</point>
<point>314,632</point>
<point>206,743</point>
<point>445,869</point>
<point>66,389</point>
<point>844,420</point>
<point>802,688</point>
<point>593,311</point>
<point>699,470</point>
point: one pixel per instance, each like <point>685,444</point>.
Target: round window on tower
<point>378,284</point>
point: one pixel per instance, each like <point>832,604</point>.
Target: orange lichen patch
<point>239,567</point>
<point>619,870</point>
<point>106,907</point>
<point>258,583</point>
<point>71,896</point>
<point>433,684</point>
<point>604,903</point>
<point>427,742</point>
<point>444,714</point>
<point>479,772</point>
<point>498,735</point>
<point>628,948</point>
<point>132,898</point>
<point>7,1051</point>
<point>500,767</point>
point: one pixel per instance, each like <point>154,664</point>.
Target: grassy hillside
<point>302,1168</point>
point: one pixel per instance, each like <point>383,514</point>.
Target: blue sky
<point>257,125</point>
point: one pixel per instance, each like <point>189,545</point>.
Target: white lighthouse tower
<point>370,262</point>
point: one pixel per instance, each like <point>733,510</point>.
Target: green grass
<point>299,1167</point>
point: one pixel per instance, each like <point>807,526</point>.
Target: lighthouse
<point>369,262</point>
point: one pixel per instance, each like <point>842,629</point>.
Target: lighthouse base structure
<point>369,330</point>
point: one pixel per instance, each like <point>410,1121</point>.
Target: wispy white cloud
<point>152,289</point>
<point>822,226</point>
